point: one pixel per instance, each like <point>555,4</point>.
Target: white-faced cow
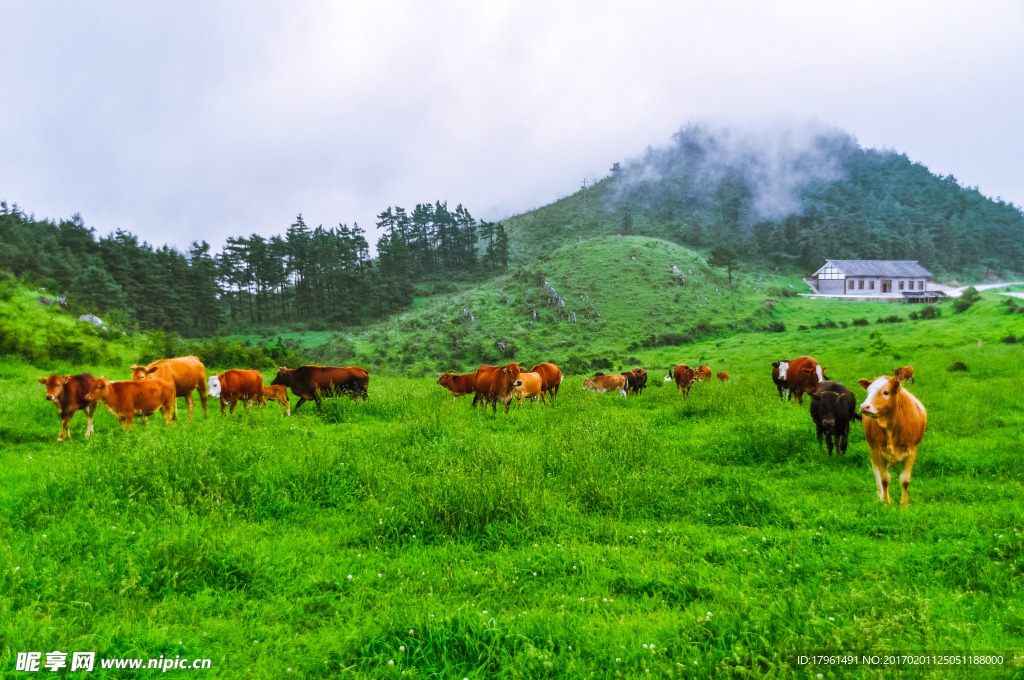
<point>893,429</point>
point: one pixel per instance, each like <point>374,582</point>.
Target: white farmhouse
<point>871,277</point>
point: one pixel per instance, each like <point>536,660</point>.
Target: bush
<point>957,366</point>
<point>802,328</point>
<point>930,312</point>
<point>1009,339</point>
<point>891,319</point>
<point>964,302</point>
<point>826,324</point>
<point>860,322</point>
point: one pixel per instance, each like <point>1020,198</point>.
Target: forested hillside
<point>306,274</point>
<point>786,199</point>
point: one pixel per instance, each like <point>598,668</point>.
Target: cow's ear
<point>42,381</point>
<point>151,371</point>
<point>896,384</point>
<point>864,383</point>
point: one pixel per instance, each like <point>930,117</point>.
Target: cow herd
<point>157,386</point>
<point>894,420</point>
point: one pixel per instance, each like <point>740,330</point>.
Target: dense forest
<point>788,199</point>
<point>303,275</point>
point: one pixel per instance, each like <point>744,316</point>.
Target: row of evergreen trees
<point>306,274</point>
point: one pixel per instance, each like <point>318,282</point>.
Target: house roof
<point>895,268</point>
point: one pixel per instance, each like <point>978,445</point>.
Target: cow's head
<point>783,367</point>
<point>99,390</point>
<point>284,376</point>
<point>446,379</point>
<point>512,371</point>
<point>881,395</point>
<point>54,386</point>
<point>588,383</point>
<point>213,386</point>
<point>828,405</point>
<point>142,372</point>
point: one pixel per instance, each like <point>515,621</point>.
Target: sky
<point>197,120</point>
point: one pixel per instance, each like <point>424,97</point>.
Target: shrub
<point>891,319</point>
<point>860,322</point>
<point>802,328</point>
<point>964,302</point>
<point>957,366</point>
<point>1009,339</point>
<point>930,312</point>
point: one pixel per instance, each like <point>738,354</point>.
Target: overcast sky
<point>198,120</point>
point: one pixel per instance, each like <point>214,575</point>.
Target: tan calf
<point>532,387</point>
<point>128,398</point>
<point>278,393</point>
<point>187,374</point>
<point>894,427</point>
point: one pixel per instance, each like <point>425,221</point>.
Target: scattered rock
<point>45,301</point>
<point>94,320</point>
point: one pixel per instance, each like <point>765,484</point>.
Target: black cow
<point>779,377</point>
<point>833,406</point>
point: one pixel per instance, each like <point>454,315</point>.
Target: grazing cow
<point>636,380</point>
<point>187,374</point>
<point>68,394</point>
<point>494,385</point>
<point>278,393</point>
<point>894,427</point>
<point>312,382</point>
<point>684,377</point>
<point>803,376</point>
<point>458,385</point>
<point>904,374</point>
<point>129,398</point>
<point>723,376</point>
<point>779,370</point>
<point>234,385</point>
<point>701,373</point>
<point>532,387</point>
<point>606,383</point>
<point>833,406</point>
<point>552,377</point>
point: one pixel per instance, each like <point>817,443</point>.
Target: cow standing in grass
<point>68,394</point>
<point>833,406</point>
<point>893,429</point>
<point>494,385</point>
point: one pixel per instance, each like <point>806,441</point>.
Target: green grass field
<point>655,536</point>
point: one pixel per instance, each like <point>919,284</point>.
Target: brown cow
<point>532,387</point>
<point>684,377</point>
<point>723,376</point>
<point>494,384</point>
<point>458,385</point>
<point>802,376</point>
<point>187,374</point>
<point>234,385</point>
<point>904,374</point>
<point>552,377</point>
<point>278,393</point>
<point>894,428</point>
<point>606,383</point>
<point>701,373</point>
<point>68,394</point>
<point>312,382</point>
<point>129,398</point>
<point>636,380</point>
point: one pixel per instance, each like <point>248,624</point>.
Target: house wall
<point>908,284</point>
<point>831,286</point>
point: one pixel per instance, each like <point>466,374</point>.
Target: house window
<point>860,284</point>
<point>851,285</point>
<point>901,285</point>
<point>920,285</point>
<point>871,285</point>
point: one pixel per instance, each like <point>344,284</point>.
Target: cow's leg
<point>90,413</point>
<point>145,420</point>
<point>905,478</point>
<point>302,400</point>
<point>882,476</point>
<point>65,433</point>
<point>191,405</point>
<point>234,403</point>
<point>167,409</point>
<point>202,398</point>
<point>820,432</point>
<point>829,443</point>
<point>844,439</point>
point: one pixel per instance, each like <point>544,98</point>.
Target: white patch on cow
<point>783,367</point>
<point>622,392</point>
<point>821,375</point>
<point>213,386</point>
<point>668,378</point>
<point>873,388</point>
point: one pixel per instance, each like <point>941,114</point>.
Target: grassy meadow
<point>408,536</point>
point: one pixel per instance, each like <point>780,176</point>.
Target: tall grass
<point>601,537</point>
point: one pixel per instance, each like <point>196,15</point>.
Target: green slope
<point>589,305</point>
